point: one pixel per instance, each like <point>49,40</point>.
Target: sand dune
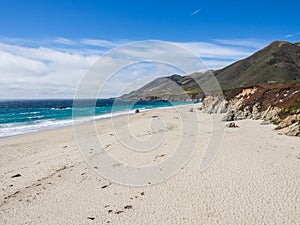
<point>254,179</point>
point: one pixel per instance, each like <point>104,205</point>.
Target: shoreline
<point>126,113</point>
<point>254,179</point>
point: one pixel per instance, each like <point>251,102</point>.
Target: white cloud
<point>18,41</point>
<point>292,35</point>
<point>217,63</point>
<point>100,43</point>
<point>195,12</point>
<point>209,50</point>
<point>54,72</point>
<point>40,72</point>
<point>64,41</point>
<point>15,64</point>
<point>251,43</point>
<point>135,76</point>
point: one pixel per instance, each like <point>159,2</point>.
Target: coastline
<point>254,178</point>
<point>94,118</point>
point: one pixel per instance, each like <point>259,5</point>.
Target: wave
<point>60,108</point>
<point>26,113</point>
<point>13,129</point>
<point>34,117</point>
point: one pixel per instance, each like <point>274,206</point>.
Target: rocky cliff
<point>274,103</point>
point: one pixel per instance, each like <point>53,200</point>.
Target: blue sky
<point>47,45</point>
<point>155,19</point>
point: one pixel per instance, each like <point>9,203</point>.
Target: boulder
<point>272,113</point>
<point>230,115</point>
<point>294,130</point>
<point>241,115</point>
<point>256,112</point>
<point>288,121</point>
<point>214,104</point>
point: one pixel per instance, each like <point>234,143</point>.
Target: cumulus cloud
<point>15,64</point>
<point>31,70</point>
<point>40,72</point>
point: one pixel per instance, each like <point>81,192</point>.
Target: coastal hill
<point>171,88</point>
<point>277,62</point>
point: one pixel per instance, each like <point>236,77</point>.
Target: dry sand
<point>255,178</point>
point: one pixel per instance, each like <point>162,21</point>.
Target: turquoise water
<point>25,116</point>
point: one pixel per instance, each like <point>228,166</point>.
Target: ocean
<point>26,116</point>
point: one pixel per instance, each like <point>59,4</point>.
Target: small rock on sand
<point>105,186</point>
<point>17,175</point>
<point>128,207</point>
<point>91,218</point>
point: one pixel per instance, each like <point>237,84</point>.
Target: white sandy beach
<point>255,178</point>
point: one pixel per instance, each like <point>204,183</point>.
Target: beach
<point>254,178</point>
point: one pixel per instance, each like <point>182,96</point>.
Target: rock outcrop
<point>214,104</point>
<point>290,125</point>
<point>275,104</point>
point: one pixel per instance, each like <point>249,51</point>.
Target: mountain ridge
<point>277,62</point>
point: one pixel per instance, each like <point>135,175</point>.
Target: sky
<point>47,47</point>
